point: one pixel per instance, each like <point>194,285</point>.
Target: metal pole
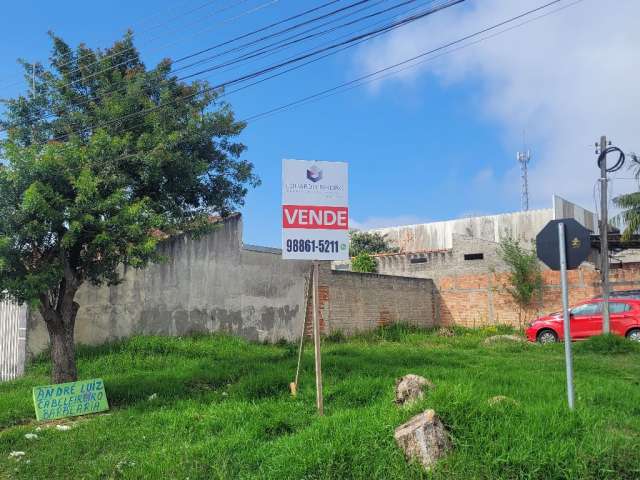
<point>604,239</point>
<point>316,340</point>
<point>565,309</point>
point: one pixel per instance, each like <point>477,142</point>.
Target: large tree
<point>99,156</point>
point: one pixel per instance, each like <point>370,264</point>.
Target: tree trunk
<point>60,318</point>
<point>63,352</point>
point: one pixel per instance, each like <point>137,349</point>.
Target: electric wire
<point>344,87</point>
<point>264,51</point>
<point>404,62</point>
<point>329,50</point>
<point>137,35</point>
<point>602,158</point>
<point>124,62</point>
<point>274,24</point>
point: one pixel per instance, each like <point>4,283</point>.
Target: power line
<point>368,78</point>
<point>171,19</point>
<point>306,12</point>
<point>278,33</point>
<point>240,79</point>
<point>284,42</point>
<point>331,49</point>
<point>124,62</point>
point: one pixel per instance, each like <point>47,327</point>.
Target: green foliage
<point>525,276</point>
<point>364,263</point>
<point>87,179</point>
<point>629,217</point>
<point>608,344</point>
<point>238,420</point>
<point>367,242</point>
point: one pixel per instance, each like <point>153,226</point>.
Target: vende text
<point>325,218</point>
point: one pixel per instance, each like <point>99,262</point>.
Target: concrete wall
<point>523,226</point>
<point>445,262</point>
<point>439,235</point>
<point>207,285</point>
<point>565,209</point>
<point>352,302</point>
<point>216,283</point>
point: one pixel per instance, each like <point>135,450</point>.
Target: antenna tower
<point>523,159</point>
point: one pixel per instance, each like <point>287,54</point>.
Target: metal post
<point>316,340</point>
<point>604,238</point>
<point>565,309</point>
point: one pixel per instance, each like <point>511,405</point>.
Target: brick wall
<point>353,302</point>
<point>478,300</point>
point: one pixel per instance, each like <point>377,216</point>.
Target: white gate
<point>13,328</point>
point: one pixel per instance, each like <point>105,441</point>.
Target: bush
<point>364,263</point>
<point>367,242</point>
<point>608,344</point>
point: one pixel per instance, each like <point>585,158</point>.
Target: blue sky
<point>434,143</point>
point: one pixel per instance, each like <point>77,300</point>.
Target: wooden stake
<point>316,340</point>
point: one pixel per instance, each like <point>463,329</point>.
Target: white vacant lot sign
<point>315,210</point>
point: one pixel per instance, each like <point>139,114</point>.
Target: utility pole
<point>604,236</point>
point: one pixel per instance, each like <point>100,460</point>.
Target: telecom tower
<point>523,158</point>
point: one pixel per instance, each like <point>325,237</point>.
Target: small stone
<point>423,439</point>
<point>445,332</point>
<point>152,397</point>
<point>63,428</point>
<point>30,436</point>
<point>410,388</point>
<point>503,338</point>
<point>501,399</point>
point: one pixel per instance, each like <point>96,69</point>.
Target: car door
<point>620,316</point>
<point>585,319</point>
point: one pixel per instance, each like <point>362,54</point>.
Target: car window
<point>586,309</point>
<point>615,307</point>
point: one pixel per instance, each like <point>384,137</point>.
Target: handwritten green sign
<point>70,399</point>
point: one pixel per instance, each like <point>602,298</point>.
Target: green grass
<point>223,411</point>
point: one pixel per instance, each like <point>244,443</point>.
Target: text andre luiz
<point>70,399</point>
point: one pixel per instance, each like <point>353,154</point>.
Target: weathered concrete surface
<point>207,285</point>
<point>217,284</point>
<point>523,226</point>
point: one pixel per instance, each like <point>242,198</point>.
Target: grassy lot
<point>223,410</point>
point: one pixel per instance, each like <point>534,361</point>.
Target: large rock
<point>503,338</point>
<point>423,439</point>
<point>411,388</point>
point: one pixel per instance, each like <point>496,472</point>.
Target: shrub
<point>524,275</point>
<point>364,263</point>
<point>367,242</point>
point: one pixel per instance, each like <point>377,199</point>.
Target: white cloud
<point>566,78</point>
<point>370,223</point>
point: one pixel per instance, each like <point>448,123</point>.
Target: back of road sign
<point>577,244</point>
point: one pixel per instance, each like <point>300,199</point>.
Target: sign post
<point>568,359</point>
<point>316,341</point>
<point>557,253</point>
<point>315,226</point>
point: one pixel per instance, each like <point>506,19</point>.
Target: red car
<point>586,321</point>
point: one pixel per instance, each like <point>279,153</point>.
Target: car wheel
<point>547,336</point>
<point>634,334</point>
